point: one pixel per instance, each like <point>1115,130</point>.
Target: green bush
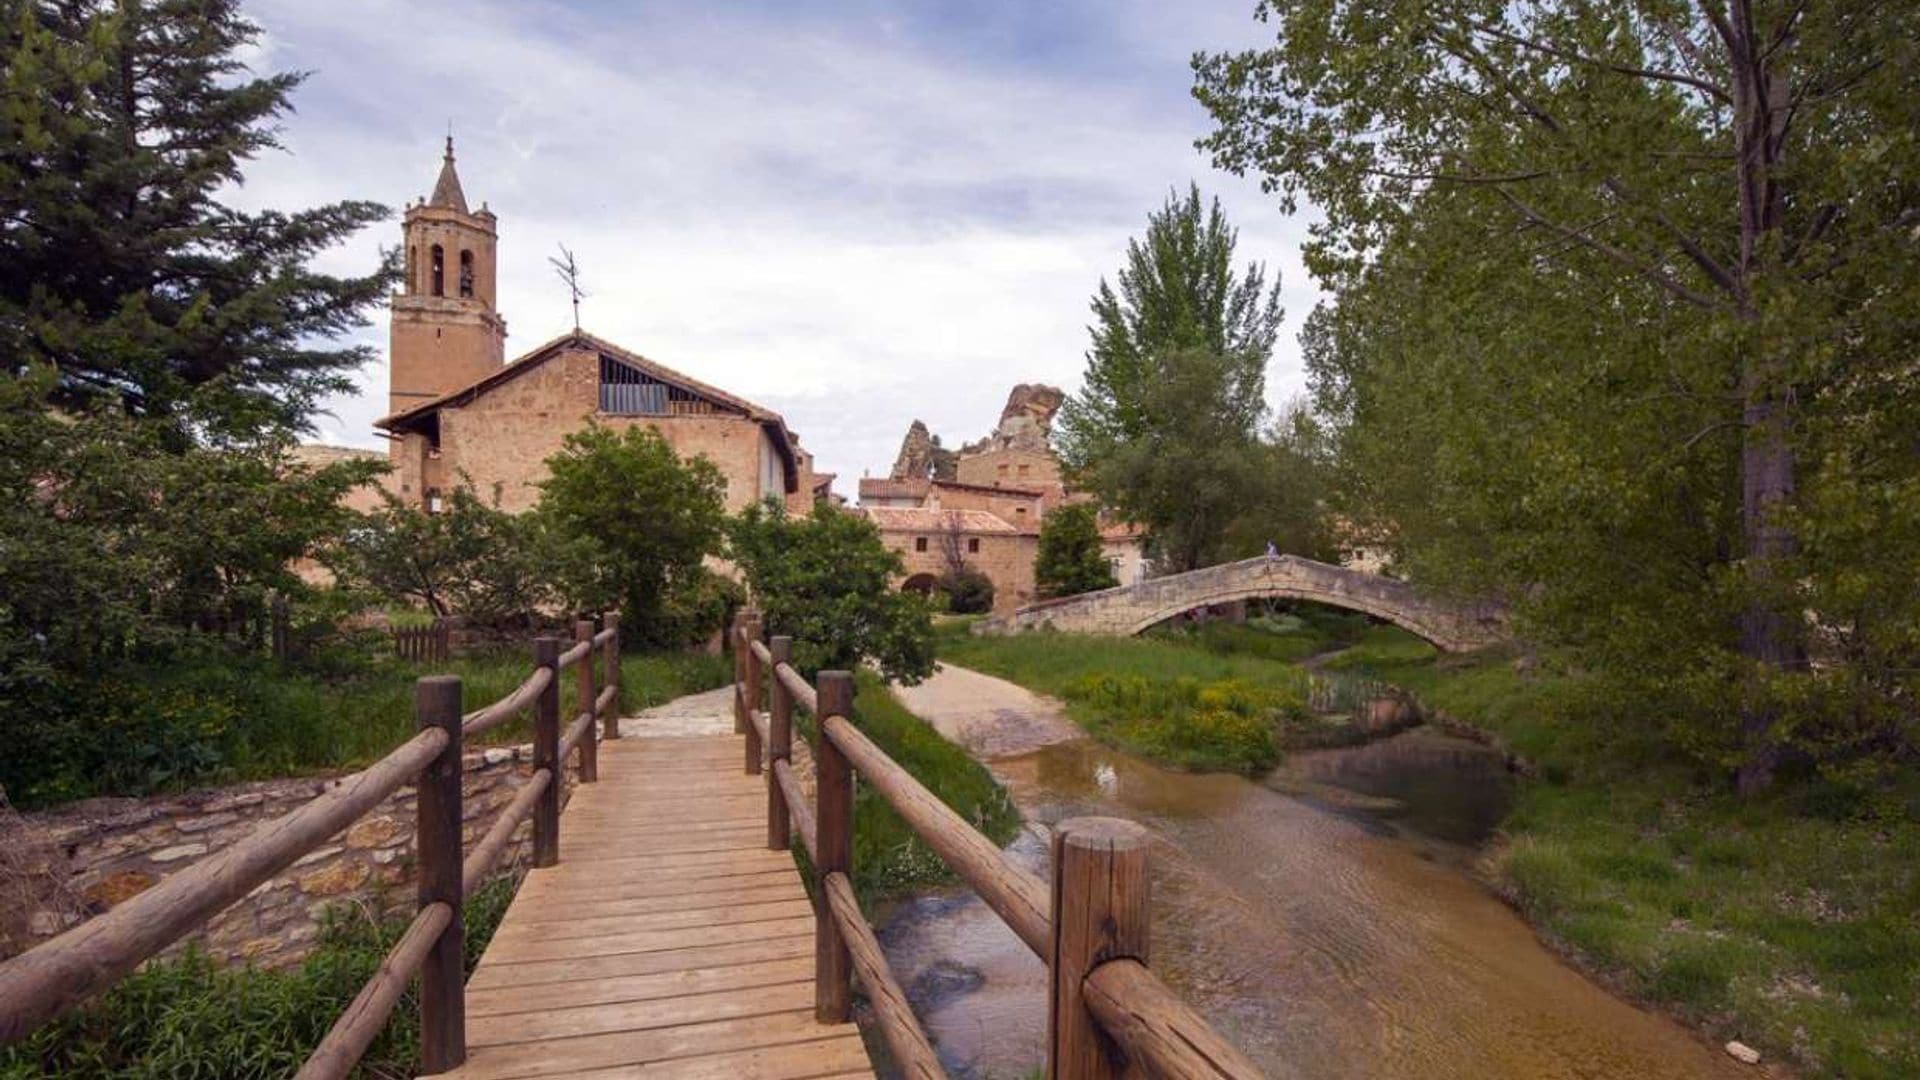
<point>1186,722</point>
<point>967,591</point>
<point>190,1017</point>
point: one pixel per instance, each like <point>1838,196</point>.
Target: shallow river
<point>1323,919</point>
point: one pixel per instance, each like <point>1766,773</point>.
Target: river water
<point>1325,919</point>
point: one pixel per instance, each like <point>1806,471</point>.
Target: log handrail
<point>912,1053</point>
<point>363,1018</point>
<point>58,975</point>
<point>1158,1029</point>
<point>1019,898</point>
<point>798,686</point>
<point>1110,1015</point>
<point>522,697</point>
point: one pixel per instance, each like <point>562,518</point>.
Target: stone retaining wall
<point>63,866</point>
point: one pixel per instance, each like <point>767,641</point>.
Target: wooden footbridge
<point>672,934</point>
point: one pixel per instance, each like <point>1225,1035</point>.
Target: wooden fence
<point>424,644</point>
<point>39,985</point>
<point>1108,1014</point>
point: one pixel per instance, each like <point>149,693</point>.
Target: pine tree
<point>119,265</point>
<point>1070,560</point>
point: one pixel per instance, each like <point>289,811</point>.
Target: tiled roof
<point>921,520</point>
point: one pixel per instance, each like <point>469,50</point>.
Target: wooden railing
<point>1108,1014</point>
<point>39,985</point>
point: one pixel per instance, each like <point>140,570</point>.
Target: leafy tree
<point>827,581</point>
<point>1288,487</point>
<point>470,557</point>
<point>1186,473</point>
<point>119,265</point>
<point>1164,422</point>
<point>1647,269</point>
<point>113,547</point>
<point>1070,560</point>
<point>403,552</point>
<point>633,522</point>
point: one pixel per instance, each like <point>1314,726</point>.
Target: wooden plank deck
<point>669,942</point>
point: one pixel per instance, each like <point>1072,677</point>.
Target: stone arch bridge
<point>1130,609</point>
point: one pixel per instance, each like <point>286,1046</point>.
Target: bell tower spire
<point>446,332</point>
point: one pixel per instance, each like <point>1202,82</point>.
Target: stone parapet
<point>67,865</point>
<point>1130,609</point>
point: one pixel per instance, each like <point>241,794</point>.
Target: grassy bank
<point>1790,922</point>
<point>889,860</point>
<point>189,1017</point>
<point>220,720</point>
<point>1214,698</point>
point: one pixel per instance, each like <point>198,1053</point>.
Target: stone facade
<point>500,433</point>
<point>985,542</point>
<point>460,414</point>
<point>80,860</point>
<point>1000,487</point>
<point>1130,609</point>
<point>446,329</point>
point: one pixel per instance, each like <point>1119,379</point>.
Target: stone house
<point>929,541</point>
<point>984,504</point>
<point>460,413</point>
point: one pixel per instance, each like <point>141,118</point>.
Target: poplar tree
<point>1163,426</point>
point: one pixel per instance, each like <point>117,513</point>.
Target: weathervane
<point>569,272</point>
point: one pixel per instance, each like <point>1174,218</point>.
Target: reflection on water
<point>1297,919</point>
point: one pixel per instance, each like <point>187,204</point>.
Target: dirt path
<point>991,718</point>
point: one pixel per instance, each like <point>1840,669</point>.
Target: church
<point>459,412</point>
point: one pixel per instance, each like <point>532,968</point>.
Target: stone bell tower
<point>446,333</point>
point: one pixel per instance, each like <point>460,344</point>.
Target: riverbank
<point>1787,923</point>
<point>1313,930</point>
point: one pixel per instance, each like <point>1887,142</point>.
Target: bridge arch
<point>1130,609</point>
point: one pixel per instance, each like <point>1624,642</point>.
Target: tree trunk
<point>1770,625</point>
<point>1769,629</point>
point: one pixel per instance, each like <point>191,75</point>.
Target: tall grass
<point>889,859</point>
<point>220,719</point>
<point>186,1016</point>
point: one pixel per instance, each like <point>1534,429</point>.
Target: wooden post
<point>833,818</point>
<point>755,673</point>
<point>443,995</point>
<point>546,755</point>
<point>1100,913</point>
<point>590,741</point>
<point>613,675</point>
<point>739,669</point>
<point>779,743</point>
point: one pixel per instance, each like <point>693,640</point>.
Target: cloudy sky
<point>857,213</point>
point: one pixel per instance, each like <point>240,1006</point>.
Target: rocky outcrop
<point>922,457</point>
<point>1026,423</point>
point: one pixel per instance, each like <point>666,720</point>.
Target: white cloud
<point>848,220</point>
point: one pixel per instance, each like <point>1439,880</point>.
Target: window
<point>466,287</point>
<point>433,500</point>
<point>413,267</point>
<point>919,543</point>
<point>1020,511</point>
<point>1003,470</point>
<point>438,270</point>
<point>973,545</point>
<point>1025,469</point>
